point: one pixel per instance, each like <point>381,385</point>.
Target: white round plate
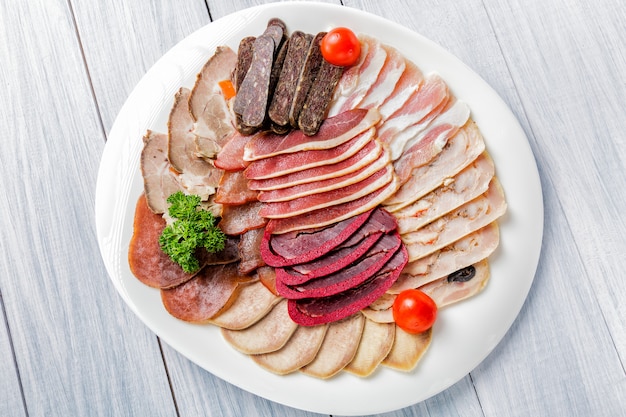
<point>463,335</point>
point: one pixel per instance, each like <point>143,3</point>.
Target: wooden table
<point>71,346</point>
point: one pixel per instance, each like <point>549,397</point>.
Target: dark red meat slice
<point>233,189</point>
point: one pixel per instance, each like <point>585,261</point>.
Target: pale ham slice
<point>445,292</point>
<point>197,175</point>
<point>267,335</point>
<point>281,165</point>
<point>429,143</point>
<point>410,81</point>
<point>159,181</point>
<point>299,351</point>
<point>407,349</point>
<point>212,290</point>
<point>465,251</point>
<point>334,197</point>
<point>338,348</point>
<point>366,156</point>
<point>230,156</point>
<point>463,187</point>
<point>252,303</point>
<point>330,184</point>
<point>333,214</point>
<point>237,220</point>
<point>333,132</point>
<point>460,151</point>
<point>376,343</point>
<point>368,74</point>
<point>233,189</point>
<point>208,108</point>
<point>453,226</point>
<point>392,70</point>
<point>432,93</point>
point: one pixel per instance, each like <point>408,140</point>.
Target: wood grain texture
<point>11,402</point>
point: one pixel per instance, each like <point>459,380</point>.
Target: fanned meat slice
<point>230,156</point>
<point>280,165</point>
<point>366,156</point>
<point>458,153</point>
<point>432,93</point>
<point>453,226</point>
<point>338,348</point>
<point>410,81</point>
<point>299,351</point>
<point>430,142</point>
<point>333,132</point>
<point>237,220</point>
<point>463,187</point>
<point>253,302</point>
<point>465,251</point>
<point>325,185</point>
<point>233,189</point>
<point>407,349</point>
<point>380,310</point>
<point>376,343</point>
<point>267,335</point>
<point>197,175</point>
<point>205,295</point>
<point>332,214</point>
<point>368,75</point>
<point>250,251</point>
<point>159,180</point>
<point>388,77</point>
<point>267,275</point>
<point>322,200</point>
<point>458,287</point>
<point>211,117</point>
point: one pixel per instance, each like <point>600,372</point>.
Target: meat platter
<point>118,193</point>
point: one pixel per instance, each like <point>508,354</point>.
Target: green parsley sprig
<point>194,228</point>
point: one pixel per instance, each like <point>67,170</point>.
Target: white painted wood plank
<point>11,403</point>
<point>75,354</point>
<point>219,8</point>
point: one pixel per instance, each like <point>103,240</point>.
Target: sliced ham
<point>376,343</point>
<point>334,197</point>
<point>388,77</point>
<point>211,117</point>
<point>366,156</point>
<point>333,214</point>
<point>198,176</point>
<point>233,189</point>
<point>458,153</point>
<point>159,180</point>
<point>253,302</point>
<point>458,287</point>
<point>463,187</point>
<point>280,165</point>
<point>333,132</point>
<point>465,251</point>
<point>410,81</point>
<point>325,185</point>
<point>237,220</point>
<point>368,75</point>
<point>453,226</point>
<point>230,155</point>
<point>407,349</point>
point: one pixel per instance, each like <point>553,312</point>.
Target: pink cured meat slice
<point>333,132</point>
<point>333,183</point>
<point>304,246</point>
<point>230,157</point>
<point>329,198</point>
<point>392,70</point>
<point>314,311</point>
<point>365,156</point>
<point>233,190</point>
<point>280,165</point>
<point>237,220</point>
<point>332,214</point>
<point>410,81</point>
<point>349,277</point>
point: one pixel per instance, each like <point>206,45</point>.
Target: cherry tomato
<point>341,47</point>
<point>414,311</point>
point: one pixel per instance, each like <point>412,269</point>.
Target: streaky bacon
<point>410,81</point>
<point>294,162</point>
<point>381,90</point>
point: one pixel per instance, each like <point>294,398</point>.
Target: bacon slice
<point>463,187</point>
<point>230,156</point>
<point>322,200</point>
<point>410,81</point>
<point>325,185</point>
<point>458,153</point>
<point>280,165</point>
<point>237,220</point>
<point>392,70</point>
<point>333,132</point>
<point>468,218</point>
<point>233,189</point>
<point>333,214</point>
<point>368,154</point>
